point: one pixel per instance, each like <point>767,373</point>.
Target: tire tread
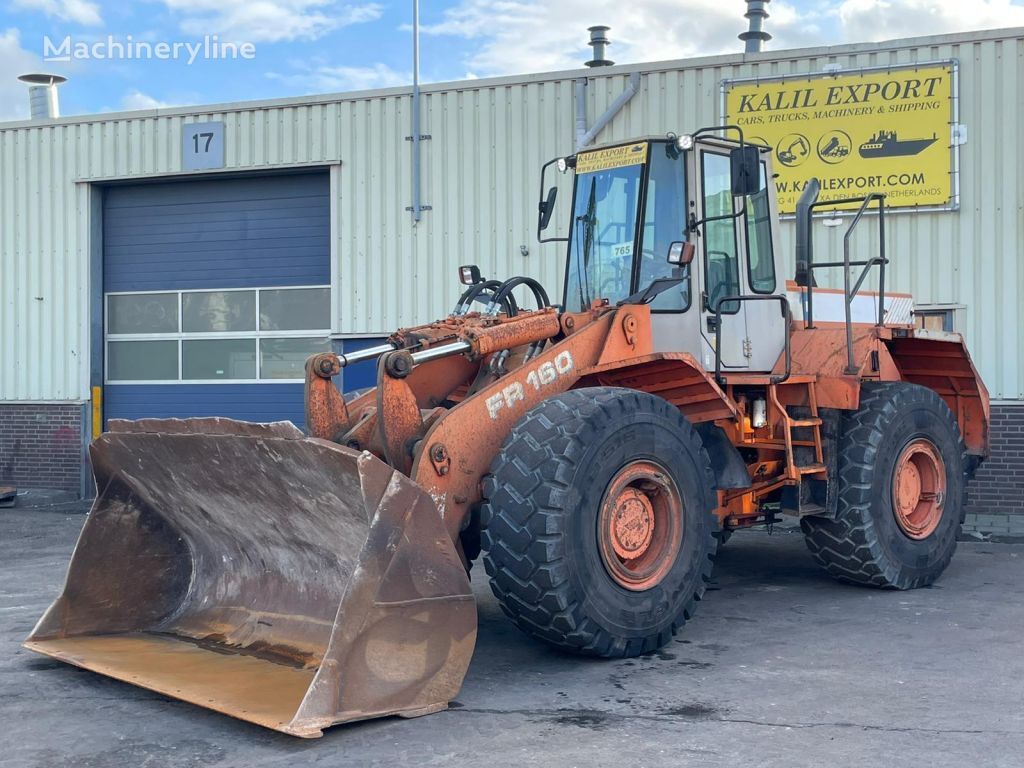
<point>848,548</point>
<point>529,480</point>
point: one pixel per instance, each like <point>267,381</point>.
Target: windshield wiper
<point>583,254</point>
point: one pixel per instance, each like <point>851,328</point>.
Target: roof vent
<point>42,95</point>
<point>756,37</point>
<point>599,41</point>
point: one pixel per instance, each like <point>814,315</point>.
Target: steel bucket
<point>280,579</point>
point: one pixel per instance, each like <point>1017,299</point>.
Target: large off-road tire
<point>901,491</point>
<point>598,525</point>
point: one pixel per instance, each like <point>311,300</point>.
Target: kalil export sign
<point>884,130</point>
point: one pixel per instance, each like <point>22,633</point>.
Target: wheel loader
<point>594,452</point>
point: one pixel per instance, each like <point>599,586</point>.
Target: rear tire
<point>599,536</point>
<point>901,491</point>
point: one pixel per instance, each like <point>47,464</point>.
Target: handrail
<point>850,293</point>
<point>787,315</point>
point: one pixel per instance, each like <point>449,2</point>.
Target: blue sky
<point>320,46</point>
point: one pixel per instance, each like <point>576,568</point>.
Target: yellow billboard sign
<point>612,157</point>
<point>857,132</point>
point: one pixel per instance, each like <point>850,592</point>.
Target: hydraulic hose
<point>474,291</point>
<point>505,292</point>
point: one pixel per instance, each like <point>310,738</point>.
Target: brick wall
<point>41,445</point>
<point>998,487</point>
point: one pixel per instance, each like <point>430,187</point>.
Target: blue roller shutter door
<point>230,275</point>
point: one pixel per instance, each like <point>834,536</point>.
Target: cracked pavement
<point>780,667</point>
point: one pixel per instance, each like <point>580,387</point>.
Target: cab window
<point>603,234</point>
<point>664,224</point>
<point>722,277</point>
<point>759,240</point>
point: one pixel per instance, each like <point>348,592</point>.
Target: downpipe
<point>632,87</point>
<point>581,112</point>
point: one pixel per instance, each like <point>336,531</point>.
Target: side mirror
<point>745,167</point>
<point>546,208</point>
<point>681,253</point>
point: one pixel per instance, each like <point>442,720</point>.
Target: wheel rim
<point>919,489</point>
<point>640,525</point>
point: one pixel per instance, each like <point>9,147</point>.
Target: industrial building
<point>184,262</point>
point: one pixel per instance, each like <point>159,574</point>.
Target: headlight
<point>562,165</point>
<point>469,274</point>
<point>685,141</point>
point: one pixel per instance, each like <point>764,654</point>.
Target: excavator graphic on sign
<point>795,151</point>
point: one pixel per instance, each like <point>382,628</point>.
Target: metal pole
<point>581,112</point>
<point>416,206</point>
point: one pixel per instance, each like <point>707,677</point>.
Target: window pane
<point>935,320</point>
<point>142,360</point>
<point>723,277</point>
<point>601,246</point>
<point>286,358</point>
<point>298,309</point>
<point>218,311</point>
<point>143,313</point>
<point>218,359</point>
<point>759,240</point>
<point>664,224</point>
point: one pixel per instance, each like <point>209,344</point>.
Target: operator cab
<point>693,213</point>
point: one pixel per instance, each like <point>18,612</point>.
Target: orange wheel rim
<point>919,489</point>
<point>640,525</point>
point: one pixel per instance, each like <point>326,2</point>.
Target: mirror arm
<point>695,223</point>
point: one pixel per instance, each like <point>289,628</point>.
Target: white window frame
<point>180,336</point>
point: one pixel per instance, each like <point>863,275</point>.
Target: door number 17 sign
<point>202,146</point>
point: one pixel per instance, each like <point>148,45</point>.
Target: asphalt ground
<point>781,667</point>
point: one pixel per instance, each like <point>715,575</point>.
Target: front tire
<point>599,536</point>
<point>901,491</point>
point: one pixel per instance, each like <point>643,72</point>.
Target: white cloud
<point>270,20</point>
<point>318,77</point>
<point>79,11</point>
<point>888,19</point>
<point>14,61</point>
<point>531,35</point>
<point>136,99</point>
<point>513,36</point>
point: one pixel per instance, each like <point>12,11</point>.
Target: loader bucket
<point>280,579</point>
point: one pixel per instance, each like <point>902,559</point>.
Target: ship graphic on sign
<point>887,144</point>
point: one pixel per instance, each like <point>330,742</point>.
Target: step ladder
<point>793,471</point>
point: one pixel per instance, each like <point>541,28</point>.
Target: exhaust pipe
<point>44,103</point>
<point>755,37</point>
<point>599,42</point>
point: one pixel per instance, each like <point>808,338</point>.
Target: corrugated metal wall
<point>481,177</point>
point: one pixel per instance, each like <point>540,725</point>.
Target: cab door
<point>759,233</point>
<point>721,256</point>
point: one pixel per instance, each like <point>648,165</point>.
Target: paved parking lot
<point>781,667</point>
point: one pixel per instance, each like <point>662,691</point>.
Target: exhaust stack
<point>43,100</point>
<point>599,42</point>
<point>755,37</point>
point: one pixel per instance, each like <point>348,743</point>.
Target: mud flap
<point>280,579</point>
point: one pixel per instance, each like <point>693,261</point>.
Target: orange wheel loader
<point>597,452</point>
